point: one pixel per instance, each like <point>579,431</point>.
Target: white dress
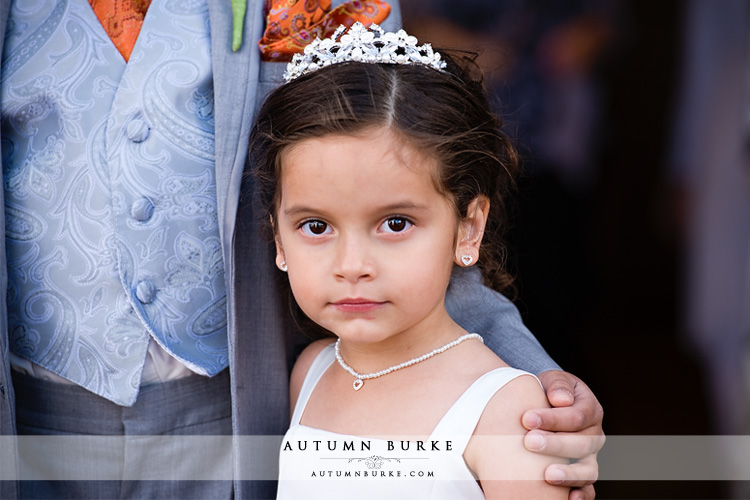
<point>316,463</point>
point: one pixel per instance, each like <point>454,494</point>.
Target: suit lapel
<point>4,9</point>
<point>235,86</point>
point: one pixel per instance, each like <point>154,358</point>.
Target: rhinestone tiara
<point>362,44</point>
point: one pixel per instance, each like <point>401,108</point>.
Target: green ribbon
<point>238,20</point>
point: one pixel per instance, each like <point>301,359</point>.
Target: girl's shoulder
<point>496,449</point>
<point>515,391</point>
<point>302,366</point>
<point>503,412</point>
<point>479,359</point>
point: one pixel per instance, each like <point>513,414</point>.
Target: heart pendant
<point>358,384</point>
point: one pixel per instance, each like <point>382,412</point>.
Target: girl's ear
<point>280,258</point>
<point>471,230</point>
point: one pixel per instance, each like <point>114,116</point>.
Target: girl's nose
<point>354,260</point>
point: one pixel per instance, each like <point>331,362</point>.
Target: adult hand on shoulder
<point>572,428</point>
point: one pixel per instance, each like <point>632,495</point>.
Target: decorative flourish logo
<point>375,461</point>
<point>355,458</point>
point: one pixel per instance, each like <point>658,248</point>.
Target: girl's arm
<point>496,454</point>
<point>573,428</point>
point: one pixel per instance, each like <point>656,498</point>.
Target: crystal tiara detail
<point>360,44</point>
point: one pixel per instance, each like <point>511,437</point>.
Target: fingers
<point>559,386</point>
<point>584,412</point>
<point>579,474</point>
<point>585,493</point>
<point>571,429</point>
<point>568,419</point>
<point>567,445</point>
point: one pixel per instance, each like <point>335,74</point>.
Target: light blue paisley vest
<point>108,171</point>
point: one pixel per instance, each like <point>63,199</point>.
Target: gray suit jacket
<point>262,339</point>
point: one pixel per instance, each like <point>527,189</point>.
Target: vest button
<point>145,291</point>
<point>137,130</point>
<point>142,209</point>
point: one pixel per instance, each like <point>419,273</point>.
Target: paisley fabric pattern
<point>110,194</point>
<point>292,24</point>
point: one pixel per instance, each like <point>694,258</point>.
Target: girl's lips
<point>357,305</point>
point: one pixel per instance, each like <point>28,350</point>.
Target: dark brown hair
<point>445,114</point>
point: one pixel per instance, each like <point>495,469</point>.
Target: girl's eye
<point>396,225</point>
<point>315,228</point>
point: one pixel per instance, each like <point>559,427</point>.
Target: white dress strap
<point>461,419</point>
<point>317,368</point>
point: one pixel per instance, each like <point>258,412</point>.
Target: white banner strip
<point>83,458</point>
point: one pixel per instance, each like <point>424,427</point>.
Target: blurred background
<point>631,238</point>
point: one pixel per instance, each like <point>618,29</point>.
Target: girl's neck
<point>369,357</point>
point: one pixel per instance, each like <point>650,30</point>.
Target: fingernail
<point>555,475</point>
<point>532,421</point>
<point>535,442</point>
<point>565,394</point>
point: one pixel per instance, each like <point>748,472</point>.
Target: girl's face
<point>368,240</point>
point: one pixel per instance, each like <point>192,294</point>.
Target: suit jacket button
<point>137,130</point>
<point>142,209</point>
<point>145,291</point>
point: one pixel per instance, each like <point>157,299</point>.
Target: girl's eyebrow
<point>404,205</point>
<point>393,207</point>
<point>300,209</point>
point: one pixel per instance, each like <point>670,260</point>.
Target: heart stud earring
<point>467,259</point>
<point>283,266</point>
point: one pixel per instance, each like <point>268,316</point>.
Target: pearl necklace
<point>361,377</point>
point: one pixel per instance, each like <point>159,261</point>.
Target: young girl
<point>382,168</point>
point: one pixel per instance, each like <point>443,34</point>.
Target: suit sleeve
<point>482,310</point>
